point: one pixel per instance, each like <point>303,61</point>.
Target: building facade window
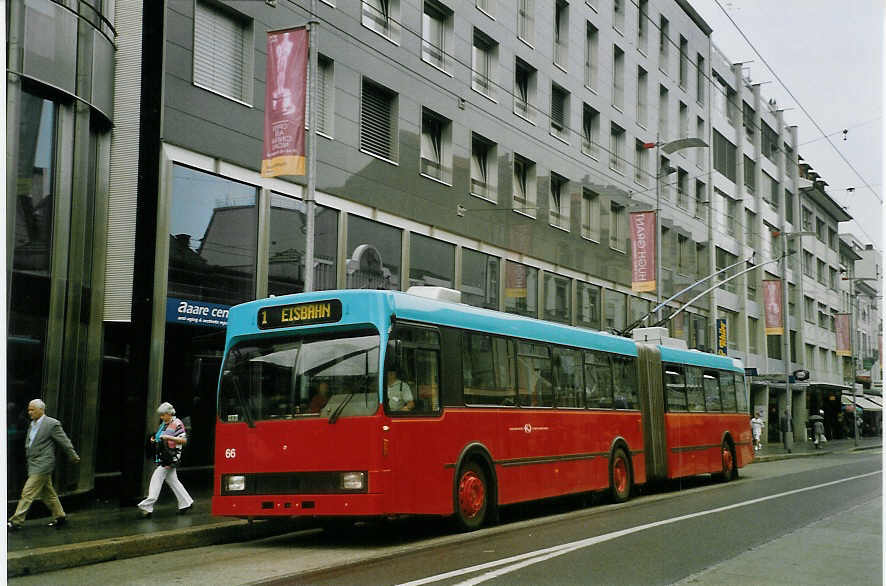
<point>524,89</point>
<point>684,123</point>
<point>286,246</point>
<point>378,121</point>
<point>753,333</point>
<point>642,25</point>
<point>750,175</point>
<point>559,113</point>
<point>618,225</point>
<point>664,44</point>
<point>484,55</point>
<point>587,309</point>
<point>701,153</point>
<point>521,289</point>
<point>662,113</point>
<point>724,156</point>
<point>683,189</point>
<point>618,15</point>
<point>560,202</point>
<point>616,304</point>
<point>480,274</point>
<point>431,262</point>
<point>526,21</point>
<point>557,298</point>
<point>642,96</point>
<point>616,148</point>
<point>484,168</point>
<point>383,17</point>
<point>524,185</point>
<point>641,162</point>
<point>436,146</point>
<point>374,253</point>
<point>591,40</point>
<point>808,264</point>
<point>700,198</point>
<point>223,50</point>
<point>590,215</point>
<point>700,77</point>
<point>618,77</point>
<point>561,33</point>
<point>436,23</point>
<point>325,95</point>
<point>684,62</point>
<point>590,132</point>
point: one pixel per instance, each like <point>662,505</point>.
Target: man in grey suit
<point>44,434</point>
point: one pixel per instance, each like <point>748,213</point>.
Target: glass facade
<point>374,252</point>
<point>557,298</point>
<point>616,310</point>
<point>479,279</point>
<point>286,246</point>
<point>521,289</point>
<point>432,262</point>
<point>587,308</point>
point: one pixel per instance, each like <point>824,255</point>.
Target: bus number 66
<point>231,453</point>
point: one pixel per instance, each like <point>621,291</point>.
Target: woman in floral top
<point>168,442</point>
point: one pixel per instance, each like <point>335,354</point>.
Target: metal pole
<point>852,347</point>
<point>312,150</point>
<point>786,343</point>
<point>658,242</point>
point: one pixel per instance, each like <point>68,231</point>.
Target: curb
<point>775,457</point>
<point>59,557</point>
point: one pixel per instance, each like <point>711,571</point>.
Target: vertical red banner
<point>643,251</point>
<point>285,90</point>
<point>772,307</point>
<point>844,340</point>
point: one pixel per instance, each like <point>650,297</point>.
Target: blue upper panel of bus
<point>695,358</point>
<point>362,306</point>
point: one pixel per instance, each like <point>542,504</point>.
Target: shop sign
<point>196,313</point>
<point>722,340</point>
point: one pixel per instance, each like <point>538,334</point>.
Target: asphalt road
<point>660,537</point>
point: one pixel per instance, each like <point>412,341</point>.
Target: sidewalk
<point>103,531</point>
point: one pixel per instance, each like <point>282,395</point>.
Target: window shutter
<point>324,71</point>
<point>557,117</point>
<point>220,52</point>
<point>375,127</point>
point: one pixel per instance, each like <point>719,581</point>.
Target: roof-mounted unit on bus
<point>658,336</point>
<point>438,293</point>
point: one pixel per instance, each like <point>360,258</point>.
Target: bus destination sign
<point>299,314</point>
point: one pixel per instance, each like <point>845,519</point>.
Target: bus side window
<point>567,378</point>
<point>675,387</point>
<point>694,389</point>
<point>711,391</point>
<point>741,396</point>
<point>427,380</point>
<point>534,375</point>
<point>598,380</point>
<point>625,378</point>
<point>727,391</point>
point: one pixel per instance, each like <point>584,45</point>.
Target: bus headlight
<point>353,480</point>
<point>236,483</point>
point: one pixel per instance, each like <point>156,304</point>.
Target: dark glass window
<point>567,378</point>
<point>598,380</point>
<point>558,298</point>
<point>675,387</point>
<point>286,246</point>
<point>727,391</point>
<point>412,380</point>
<point>486,370</point>
<point>534,378</point>
<point>431,262</point>
<point>213,231</point>
<point>711,391</point>
<point>521,289</point>
<point>741,398</point>
<point>373,255</point>
<point>694,389</point>
<point>587,309</point>
<point>624,376</point>
<point>479,279</point>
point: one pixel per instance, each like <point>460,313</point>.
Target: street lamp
<point>668,148</point>
<point>785,335</point>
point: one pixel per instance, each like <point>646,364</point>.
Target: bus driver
<point>399,394</point>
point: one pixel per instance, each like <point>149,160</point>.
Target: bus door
<point>415,444</point>
<point>652,410</point>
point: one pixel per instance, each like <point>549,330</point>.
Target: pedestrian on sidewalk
<point>44,434</point>
<point>757,431</point>
<point>167,442</point>
<point>818,437</point>
<point>787,430</point>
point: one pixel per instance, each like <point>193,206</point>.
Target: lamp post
<point>785,335</point>
<point>668,148</point>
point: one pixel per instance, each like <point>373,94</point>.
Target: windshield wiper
<point>230,376</point>
<point>341,406</point>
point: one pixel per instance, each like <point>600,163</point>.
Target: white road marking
<point>541,555</point>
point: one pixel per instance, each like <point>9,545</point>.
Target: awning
<point>865,402</point>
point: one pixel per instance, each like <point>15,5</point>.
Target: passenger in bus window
<point>320,397</point>
<point>400,396</point>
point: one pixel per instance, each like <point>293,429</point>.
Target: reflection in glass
<point>521,289</point>
<point>639,307</point>
<point>213,227</point>
<point>29,284</point>
<point>479,279</point>
<point>431,262</point>
<point>587,312</point>
<point>286,249</point>
<point>558,298</point>
<point>373,255</point>
<point>616,310</point>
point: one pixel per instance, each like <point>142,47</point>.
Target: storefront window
<point>558,298</point>
<point>431,262</point>
<point>639,308</point>
<point>213,227</point>
<point>286,247</point>
<point>521,289</point>
<point>374,252</point>
<point>479,279</point>
<point>616,310</point>
<point>587,310</point>
<point>29,285</point>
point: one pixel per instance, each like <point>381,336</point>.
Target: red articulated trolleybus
<point>362,403</point>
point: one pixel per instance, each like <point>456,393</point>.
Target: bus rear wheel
<point>727,459</point>
<point>620,476</point>
<point>471,497</point>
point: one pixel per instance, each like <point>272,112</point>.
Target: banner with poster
<point>844,341</point>
<point>643,251</point>
<point>285,91</point>
<point>772,307</point>
<point>722,339</point>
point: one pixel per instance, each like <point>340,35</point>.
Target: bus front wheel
<point>620,476</point>
<point>471,497</point>
<point>727,458</point>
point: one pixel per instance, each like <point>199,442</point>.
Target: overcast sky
<point>830,56</point>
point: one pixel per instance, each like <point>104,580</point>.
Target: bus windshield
<point>300,376</point>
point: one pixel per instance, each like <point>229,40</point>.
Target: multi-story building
<point>491,147</point>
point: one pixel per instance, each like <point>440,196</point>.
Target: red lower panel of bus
<point>695,442</point>
<point>410,463</point>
